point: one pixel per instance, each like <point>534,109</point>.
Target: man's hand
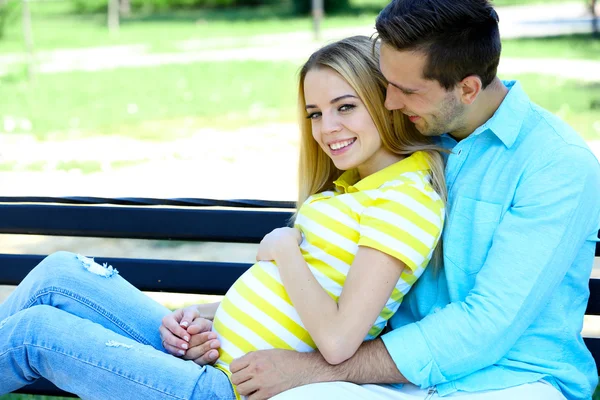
<point>204,345</point>
<point>186,333</point>
<point>264,374</point>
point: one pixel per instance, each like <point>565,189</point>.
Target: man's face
<point>429,106</point>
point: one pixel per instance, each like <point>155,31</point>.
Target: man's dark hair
<point>458,37</point>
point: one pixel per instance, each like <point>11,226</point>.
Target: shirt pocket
<point>470,233</point>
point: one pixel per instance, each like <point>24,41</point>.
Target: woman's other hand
<point>277,240</point>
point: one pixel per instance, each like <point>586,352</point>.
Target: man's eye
<point>346,107</point>
<point>314,115</point>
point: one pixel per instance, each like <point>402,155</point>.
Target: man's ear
<point>470,87</point>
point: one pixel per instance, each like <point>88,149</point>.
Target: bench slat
<point>178,223</point>
<point>149,275</point>
<point>43,387</point>
<point>593,306</point>
<point>593,345</point>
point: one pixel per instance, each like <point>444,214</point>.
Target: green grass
<point>510,3</point>
<point>31,397</point>
<point>579,46</point>
<point>576,102</point>
<point>152,102</point>
<point>169,101</point>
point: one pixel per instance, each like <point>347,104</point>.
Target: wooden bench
<point>236,221</point>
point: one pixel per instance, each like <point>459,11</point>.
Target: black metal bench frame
<point>236,221</point>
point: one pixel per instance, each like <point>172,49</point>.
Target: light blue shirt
<point>508,306</point>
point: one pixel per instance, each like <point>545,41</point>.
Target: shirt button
<point>459,152</point>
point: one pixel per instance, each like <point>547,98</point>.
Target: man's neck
<point>484,107</point>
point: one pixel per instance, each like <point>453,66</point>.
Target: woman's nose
<point>330,124</point>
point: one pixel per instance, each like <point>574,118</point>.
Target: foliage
<point>84,6</point>
<point>303,7</point>
<point>7,14</point>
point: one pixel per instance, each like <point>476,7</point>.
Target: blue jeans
<point>86,329</point>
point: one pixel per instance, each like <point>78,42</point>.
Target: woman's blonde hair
<point>356,59</point>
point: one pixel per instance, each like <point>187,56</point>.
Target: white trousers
<point>350,391</point>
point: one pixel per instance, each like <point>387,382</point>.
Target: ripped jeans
<point>86,329</point>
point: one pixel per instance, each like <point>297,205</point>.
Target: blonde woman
<point>369,220</point>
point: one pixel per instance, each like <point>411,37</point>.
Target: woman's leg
<point>81,287</point>
<point>93,362</point>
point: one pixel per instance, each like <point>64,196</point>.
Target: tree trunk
<point>28,35</point>
<point>594,9</point>
<point>113,17</point>
<point>317,14</point>
<point>125,7</point>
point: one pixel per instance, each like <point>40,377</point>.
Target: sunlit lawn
<point>580,46</point>
<point>167,101</point>
<point>143,102</point>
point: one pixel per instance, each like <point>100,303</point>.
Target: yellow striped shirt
<point>394,210</point>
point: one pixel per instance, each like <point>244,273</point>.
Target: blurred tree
<point>84,6</point>
<point>113,18</point>
<point>125,7</point>
<point>304,7</point>
<point>594,10</point>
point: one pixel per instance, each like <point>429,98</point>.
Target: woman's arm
<point>207,310</point>
<point>337,328</point>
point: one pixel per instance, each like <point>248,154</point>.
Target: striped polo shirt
<point>394,210</point>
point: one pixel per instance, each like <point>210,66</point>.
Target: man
<point>503,318</point>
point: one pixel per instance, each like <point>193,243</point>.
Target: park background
<point>197,98</point>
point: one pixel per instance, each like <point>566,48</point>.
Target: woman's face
<point>341,124</point>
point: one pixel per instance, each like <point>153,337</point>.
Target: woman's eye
<point>346,107</point>
<point>314,115</point>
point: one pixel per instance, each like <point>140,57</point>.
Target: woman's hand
<point>173,331</point>
<point>187,333</point>
<point>276,241</point>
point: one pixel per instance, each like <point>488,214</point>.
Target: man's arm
<point>263,374</point>
<point>555,209</point>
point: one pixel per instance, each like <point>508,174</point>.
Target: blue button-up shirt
<point>508,305</point>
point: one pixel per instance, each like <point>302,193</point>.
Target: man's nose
<point>393,98</point>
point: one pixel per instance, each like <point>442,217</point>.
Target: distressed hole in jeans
<point>92,266</point>
<point>113,343</point>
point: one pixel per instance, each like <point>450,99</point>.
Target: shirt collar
<point>508,118</point>
<point>349,181</point>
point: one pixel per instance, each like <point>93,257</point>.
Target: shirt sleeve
<point>404,221</point>
<point>555,210</point>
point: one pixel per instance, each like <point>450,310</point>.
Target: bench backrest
<point>238,221</point>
